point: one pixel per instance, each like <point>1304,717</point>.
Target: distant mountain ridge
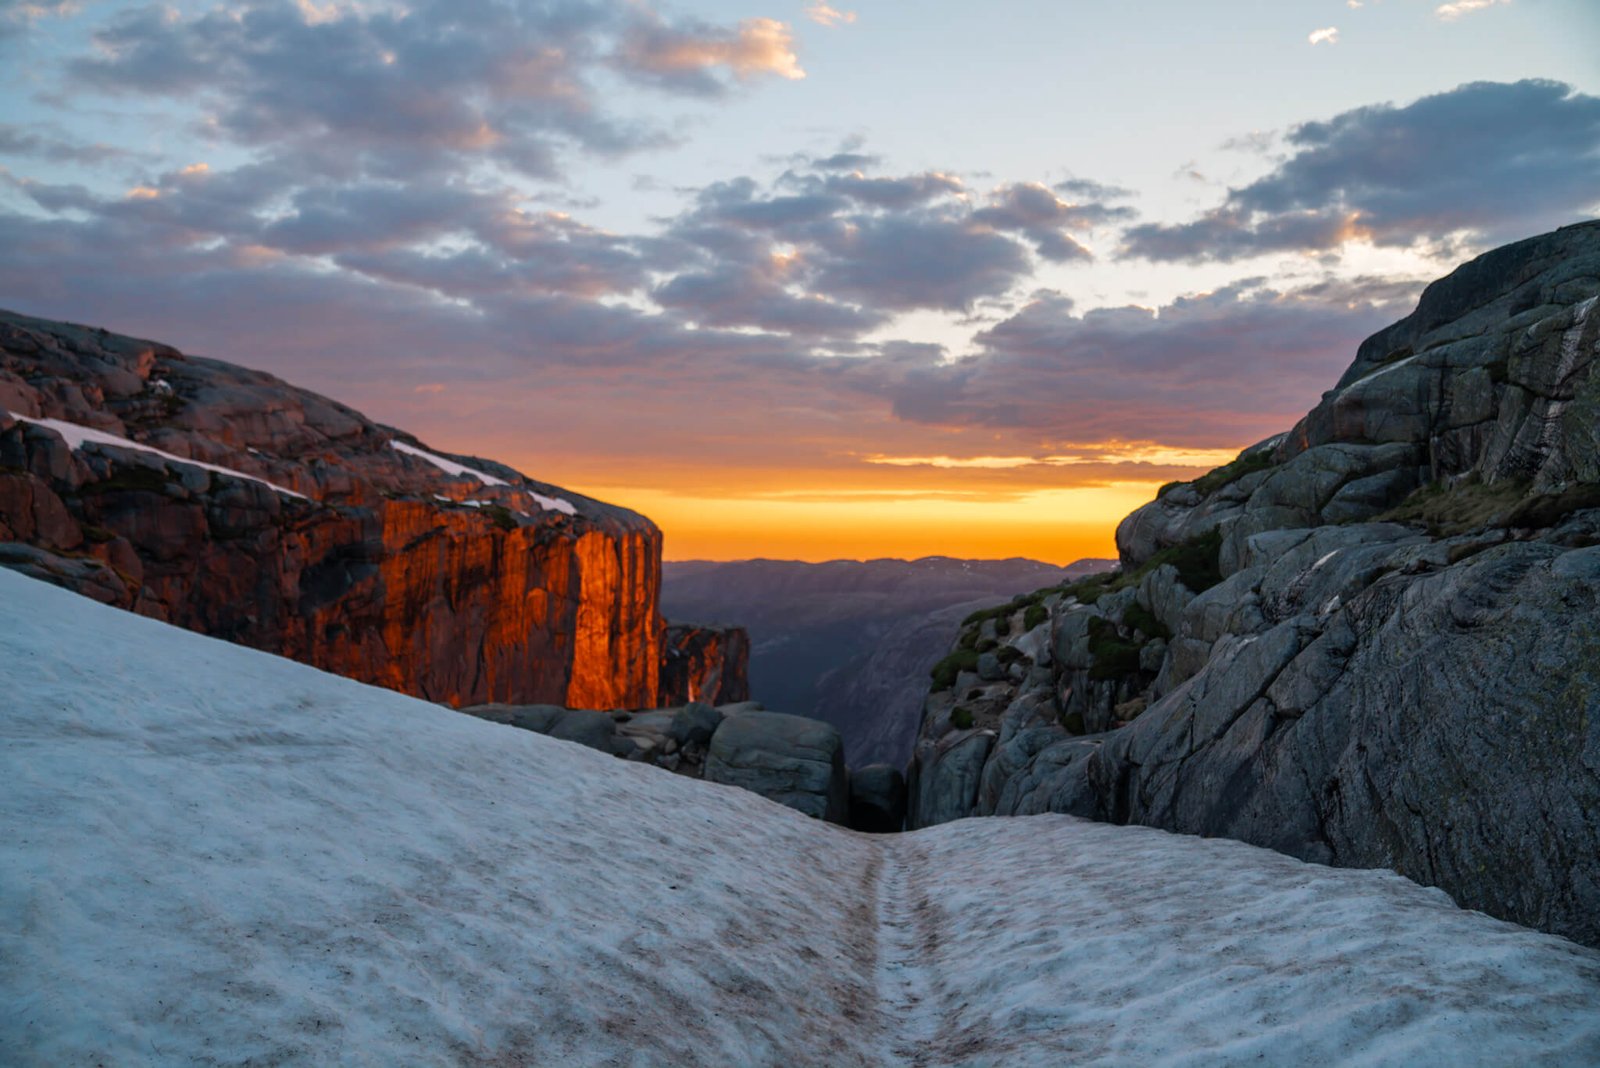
<point>815,627</point>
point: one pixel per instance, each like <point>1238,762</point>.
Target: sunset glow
<point>795,280</point>
<point>1051,525</point>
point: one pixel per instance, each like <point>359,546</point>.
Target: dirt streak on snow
<point>215,856</point>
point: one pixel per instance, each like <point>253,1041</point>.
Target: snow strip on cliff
<point>215,855</point>
<point>76,436</point>
<point>450,467</point>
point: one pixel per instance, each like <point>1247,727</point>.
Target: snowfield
<point>216,856</point>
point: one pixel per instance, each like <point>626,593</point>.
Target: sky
<point>794,280</point>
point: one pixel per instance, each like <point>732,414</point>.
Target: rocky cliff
<point>229,502</point>
<point>704,663</point>
<point>829,640</point>
<point>1373,641</point>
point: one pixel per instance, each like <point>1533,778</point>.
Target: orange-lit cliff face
<point>457,609</point>
<point>456,581</point>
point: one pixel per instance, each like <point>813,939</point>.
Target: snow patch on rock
<point>77,436</point>
<point>449,467</point>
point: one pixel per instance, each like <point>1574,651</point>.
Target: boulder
<point>946,777</point>
<point>792,760</point>
<point>587,727</point>
<point>597,730</point>
<point>694,724</point>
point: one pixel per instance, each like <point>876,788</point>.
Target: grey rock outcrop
<point>792,760</point>
<point>1371,641</point>
<point>694,724</point>
<point>583,726</point>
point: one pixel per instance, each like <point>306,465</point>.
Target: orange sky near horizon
<point>832,505</point>
<point>1054,526</point>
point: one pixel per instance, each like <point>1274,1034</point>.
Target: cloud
<point>42,143</point>
<point>1326,35</point>
<point>17,18</point>
<point>686,58</point>
<point>366,226</point>
<point>824,15</point>
<point>845,161</point>
<point>1087,189</point>
<point>1209,371</point>
<point>853,241</point>
<point>1452,11</point>
<point>1032,210</point>
<point>896,193</point>
<point>1492,161</point>
<point>426,88</point>
<point>1257,142</point>
<point>923,260</point>
<point>728,340</point>
<point>757,295</point>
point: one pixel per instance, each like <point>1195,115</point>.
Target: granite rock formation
<point>1371,641</point>
<point>707,663</point>
<point>229,502</point>
<point>793,760</point>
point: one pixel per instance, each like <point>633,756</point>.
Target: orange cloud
<point>1110,453</point>
<point>758,46</point>
<point>824,15</point>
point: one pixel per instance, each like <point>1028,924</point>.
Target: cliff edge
<point>229,502</point>
<point>1373,641</point>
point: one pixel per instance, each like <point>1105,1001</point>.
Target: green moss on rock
<point>945,671</point>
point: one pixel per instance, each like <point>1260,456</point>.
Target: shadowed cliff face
<point>705,663</point>
<point>1371,641</point>
<point>314,532</point>
<point>828,640</point>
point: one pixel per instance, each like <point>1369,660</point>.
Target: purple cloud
<point>1497,161</point>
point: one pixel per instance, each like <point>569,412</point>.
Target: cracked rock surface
<point>1372,641</point>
